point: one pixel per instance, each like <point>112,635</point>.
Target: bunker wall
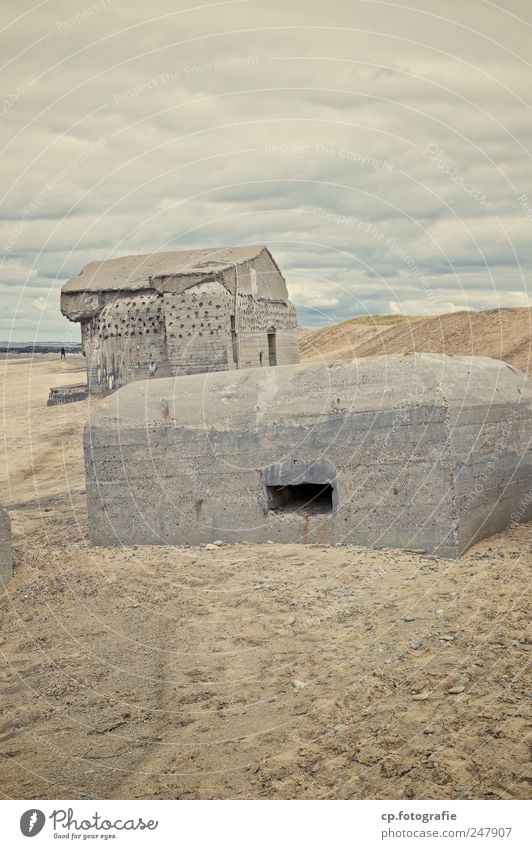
<point>393,488</point>
<point>492,457</point>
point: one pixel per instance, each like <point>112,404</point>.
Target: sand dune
<point>505,334</point>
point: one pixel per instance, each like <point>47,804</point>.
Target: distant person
<point>62,353</point>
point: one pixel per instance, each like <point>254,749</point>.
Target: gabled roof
<point>134,272</point>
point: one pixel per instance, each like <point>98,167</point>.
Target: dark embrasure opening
<point>304,497</point>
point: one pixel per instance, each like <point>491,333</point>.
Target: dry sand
<point>505,334</point>
<point>249,671</point>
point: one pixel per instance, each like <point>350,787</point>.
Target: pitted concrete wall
<point>198,328</point>
<point>125,337</point>
<point>6,554</point>
<point>400,438</point>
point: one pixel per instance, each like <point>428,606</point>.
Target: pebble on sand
<point>421,697</point>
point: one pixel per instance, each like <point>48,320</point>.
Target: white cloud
<point>40,304</point>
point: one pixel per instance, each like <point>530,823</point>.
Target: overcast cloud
<point>381,151</point>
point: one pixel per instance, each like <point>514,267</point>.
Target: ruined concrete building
<point>184,312</point>
<point>424,451</point>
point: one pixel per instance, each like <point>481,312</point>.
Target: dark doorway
<point>272,348</point>
<point>304,497</point>
<point>234,340</point>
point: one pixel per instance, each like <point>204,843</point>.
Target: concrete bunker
<point>424,451</point>
<point>181,312</point>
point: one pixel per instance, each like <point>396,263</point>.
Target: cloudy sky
<point>380,149</point>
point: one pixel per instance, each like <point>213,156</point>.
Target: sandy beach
<point>249,671</point>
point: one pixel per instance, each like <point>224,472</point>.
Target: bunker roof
<point>136,271</point>
<point>295,393</point>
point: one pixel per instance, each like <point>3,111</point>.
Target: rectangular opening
<point>303,497</point>
<point>272,349</point>
<point>234,341</point>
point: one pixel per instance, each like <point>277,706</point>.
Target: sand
<point>505,334</point>
<point>247,671</point>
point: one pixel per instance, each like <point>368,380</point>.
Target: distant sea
<point>38,347</point>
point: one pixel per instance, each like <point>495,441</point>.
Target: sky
<point>380,149</point>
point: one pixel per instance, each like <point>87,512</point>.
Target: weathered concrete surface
<point>184,312</point>
<point>425,451</point>
<point>6,554</point>
<point>67,394</point>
